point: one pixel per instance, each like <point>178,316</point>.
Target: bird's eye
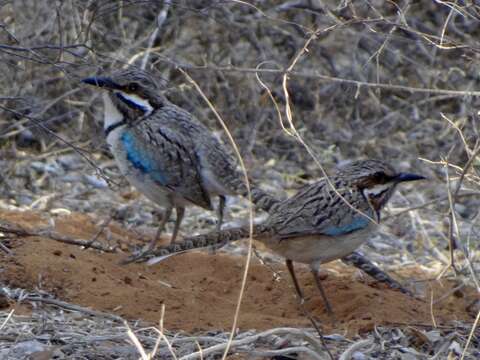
<point>133,87</point>
<point>379,176</point>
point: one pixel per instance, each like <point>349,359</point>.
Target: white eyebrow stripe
<point>378,189</point>
<point>137,100</point>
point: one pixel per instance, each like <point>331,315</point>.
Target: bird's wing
<point>215,161</point>
<point>318,210</point>
<point>168,158</point>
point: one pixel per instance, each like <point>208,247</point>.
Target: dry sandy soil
<point>200,290</point>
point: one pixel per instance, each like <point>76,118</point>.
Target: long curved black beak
<point>408,177</point>
<point>100,81</point>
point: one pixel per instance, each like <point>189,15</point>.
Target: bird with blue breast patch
<point>164,151</point>
<point>324,221</point>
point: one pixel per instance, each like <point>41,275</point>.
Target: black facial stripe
<point>113,126</point>
<point>379,194</point>
<point>131,103</point>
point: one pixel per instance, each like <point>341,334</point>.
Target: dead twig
<point>161,17</point>
<point>78,242</point>
<point>431,202</point>
<point>453,197</point>
<point>102,228</point>
<point>47,233</point>
<point>65,305</point>
<point>252,339</point>
<point>6,249</point>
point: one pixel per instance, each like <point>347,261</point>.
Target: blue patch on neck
<point>358,222</point>
<point>140,159</point>
<point>131,103</point>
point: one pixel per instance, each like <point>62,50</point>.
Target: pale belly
<point>319,248</point>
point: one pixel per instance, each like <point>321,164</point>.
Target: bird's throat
<point>113,118</point>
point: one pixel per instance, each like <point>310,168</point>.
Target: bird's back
<point>321,209</point>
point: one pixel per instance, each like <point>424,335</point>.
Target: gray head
<point>375,179</point>
<point>133,91</point>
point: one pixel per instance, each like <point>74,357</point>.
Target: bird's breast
<point>137,165</point>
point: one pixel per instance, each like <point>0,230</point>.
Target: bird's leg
<point>165,217</point>
<point>291,270</point>
<point>180,212</point>
<point>315,271</point>
<point>305,312</point>
<point>220,210</point>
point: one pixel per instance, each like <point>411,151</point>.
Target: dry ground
<point>392,80</point>
<point>200,290</point>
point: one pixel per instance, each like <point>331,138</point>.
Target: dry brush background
<point>392,80</point>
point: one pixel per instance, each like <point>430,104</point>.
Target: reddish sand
<point>200,290</point>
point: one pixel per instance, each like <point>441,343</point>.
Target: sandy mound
<point>200,290</point>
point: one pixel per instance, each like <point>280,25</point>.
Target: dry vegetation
<point>393,80</point>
